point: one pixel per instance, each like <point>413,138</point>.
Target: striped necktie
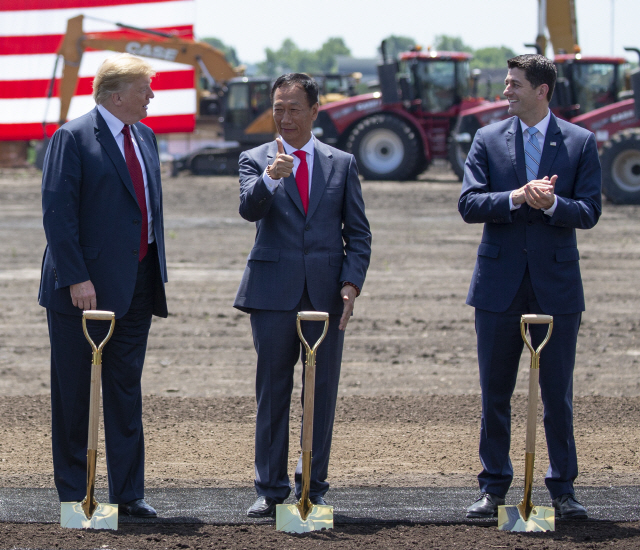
<point>532,154</point>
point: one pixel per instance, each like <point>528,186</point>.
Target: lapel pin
<point>553,144</point>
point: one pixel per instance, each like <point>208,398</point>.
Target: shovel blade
<point>72,516</point>
<point>288,519</point>
<point>542,518</point>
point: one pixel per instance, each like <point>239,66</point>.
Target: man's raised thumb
<point>280,146</point>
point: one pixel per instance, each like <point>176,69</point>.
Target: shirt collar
<point>113,122</point>
<point>542,126</point>
<point>307,147</point>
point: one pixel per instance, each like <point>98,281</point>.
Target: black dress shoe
<point>567,507</point>
<point>318,501</point>
<point>485,507</point>
<point>263,507</point>
<point>137,508</point>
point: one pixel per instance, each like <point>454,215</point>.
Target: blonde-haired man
<point>102,216</point>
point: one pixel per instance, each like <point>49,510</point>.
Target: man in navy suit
<point>531,180</point>
<point>102,208</point>
<point>311,252</point>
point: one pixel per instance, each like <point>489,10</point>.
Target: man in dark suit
<point>311,252</point>
<point>102,208</point>
<point>532,180</point>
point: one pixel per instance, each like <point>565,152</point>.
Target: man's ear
<point>543,90</point>
<point>116,99</point>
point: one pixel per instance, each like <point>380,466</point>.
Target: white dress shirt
<point>542,128</point>
<point>115,126</point>
<point>308,148</point>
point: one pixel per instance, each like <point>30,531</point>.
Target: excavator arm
<point>561,22</point>
<point>207,60</point>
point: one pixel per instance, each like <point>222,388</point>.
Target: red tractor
<point>594,93</point>
<point>396,133</point>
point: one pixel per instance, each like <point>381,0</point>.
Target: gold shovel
<point>88,514</point>
<point>525,516</point>
<point>304,516</point>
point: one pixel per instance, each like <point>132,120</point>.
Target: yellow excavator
<point>559,16</point>
<point>209,63</point>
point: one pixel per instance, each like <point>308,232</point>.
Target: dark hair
<point>537,70</point>
<point>305,82</point>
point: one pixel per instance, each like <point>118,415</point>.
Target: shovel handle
<point>534,319</point>
<point>99,316</point>
<point>310,373</point>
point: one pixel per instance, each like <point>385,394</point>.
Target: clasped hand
<point>537,193</point>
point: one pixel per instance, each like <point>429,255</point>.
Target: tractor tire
<point>386,148</point>
<point>457,156</point>
<point>620,159</point>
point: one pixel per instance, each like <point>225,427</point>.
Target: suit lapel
<point>322,167</point>
<point>106,140</point>
<point>515,145</point>
<point>549,152</point>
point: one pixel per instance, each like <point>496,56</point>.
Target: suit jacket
<point>92,219</point>
<point>526,237</point>
<point>328,246</point>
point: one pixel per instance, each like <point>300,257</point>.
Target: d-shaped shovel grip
<point>98,315</point>
<point>535,319</point>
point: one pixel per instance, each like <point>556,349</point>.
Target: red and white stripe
<point>32,30</point>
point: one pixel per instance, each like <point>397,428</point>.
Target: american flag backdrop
<point>30,33</point>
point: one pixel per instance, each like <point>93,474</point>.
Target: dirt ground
<point>409,407</point>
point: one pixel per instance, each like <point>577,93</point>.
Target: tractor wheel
<point>457,156</point>
<point>620,159</point>
<point>386,148</point>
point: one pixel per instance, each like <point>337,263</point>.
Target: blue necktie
<point>532,154</point>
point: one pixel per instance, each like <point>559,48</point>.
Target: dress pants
<point>122,361</point>
<point>500,346</point>
<point>279,347</point>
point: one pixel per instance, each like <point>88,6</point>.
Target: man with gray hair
<point>102,216</point>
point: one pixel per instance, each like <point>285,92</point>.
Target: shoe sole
<point>481,516</point>
<point>254,515</point>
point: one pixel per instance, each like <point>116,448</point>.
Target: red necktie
<point>135,171</point>
<point>302,179</point>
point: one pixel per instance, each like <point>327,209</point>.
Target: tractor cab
<point>588,83</point>
<point>245,100</point>
<point>435,82</point>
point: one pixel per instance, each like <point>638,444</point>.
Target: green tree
<point>327,54</point>
<point>290,58</point>
<point>398,44</point>
<point>229,51</point>
<point>492,58</point>
<point>447,43</point>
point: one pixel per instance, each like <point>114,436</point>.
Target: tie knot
<point>125,130</point>
<point>301,155</point>
<point>532,131</point>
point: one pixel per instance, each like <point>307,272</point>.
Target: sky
<point>250,26</point>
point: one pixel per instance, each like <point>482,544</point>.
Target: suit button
<point>134,251</point>
<point>524,250</point>
<point>307,228</point>
<point>529,222</point>
<point>306,251</point>
<point>136,222</point>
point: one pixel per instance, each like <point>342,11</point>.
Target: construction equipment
<point>397,132</point>
<point>305,516</point>
<point>597,93</point>
<point>89,514</point>
<point>525,516</point>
